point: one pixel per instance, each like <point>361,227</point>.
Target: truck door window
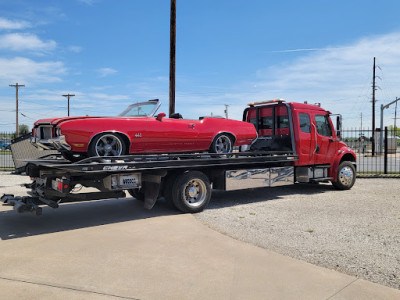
<point>305,124</point>
<point>323,125</point>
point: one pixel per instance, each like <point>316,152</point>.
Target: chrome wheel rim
<point>223,144</point>
<point>195,192</point>
<point>108,145</point>
<point>346,176</point>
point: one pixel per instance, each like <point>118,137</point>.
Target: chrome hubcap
<point>108,145</point>
<point>346,176</point>
<point>195,192</point>
<point>223,144</point>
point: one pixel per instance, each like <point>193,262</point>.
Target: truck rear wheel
<point>191,192</point>
<point>137,193</point>
<point>346,176</point>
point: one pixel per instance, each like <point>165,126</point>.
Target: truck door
<point>326,142</point>
<point>305,139</point>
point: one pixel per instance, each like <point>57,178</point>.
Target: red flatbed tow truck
<point>297,143</point>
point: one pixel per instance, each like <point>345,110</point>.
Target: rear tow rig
<point>26,204</point>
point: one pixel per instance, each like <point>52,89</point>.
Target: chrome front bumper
<point>57,143</point>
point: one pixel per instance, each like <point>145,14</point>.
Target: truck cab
<point>304,130</point>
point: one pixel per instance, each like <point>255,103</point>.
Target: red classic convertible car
<point>138,130</point>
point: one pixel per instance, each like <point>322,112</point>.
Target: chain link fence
<point>378,152</point>
<point>6,161</point>
<point>381,157</point>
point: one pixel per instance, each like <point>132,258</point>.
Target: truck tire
<point>346,176</point>
<point>137,194</point>
<point>191,192</point>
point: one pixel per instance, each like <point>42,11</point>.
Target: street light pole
<point>382,108</point>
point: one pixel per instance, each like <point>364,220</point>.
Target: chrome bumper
<point>57,143</point>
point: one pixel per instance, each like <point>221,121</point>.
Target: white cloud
<point>25,70</point>
<point>106,72</point>
<point>109,97</point>
<point>75,49</point>
<point>88,2</point>
<point>338,77</point>
<point>24,42</point>
<point>9,24</point>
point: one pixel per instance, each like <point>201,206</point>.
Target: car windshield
<point>142,109</point>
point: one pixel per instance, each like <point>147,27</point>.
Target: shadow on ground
<point>73,216</point>
<point>246,196</point>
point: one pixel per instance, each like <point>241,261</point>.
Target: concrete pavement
<point>115,249</point>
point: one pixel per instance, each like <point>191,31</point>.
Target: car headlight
<point>58,131</point>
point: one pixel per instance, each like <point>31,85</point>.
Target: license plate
<point>129,181</point>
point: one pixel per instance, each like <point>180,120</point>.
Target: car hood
<point>55,121</point>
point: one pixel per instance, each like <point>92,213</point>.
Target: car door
<point>171,135</point>
<point>326,143</point>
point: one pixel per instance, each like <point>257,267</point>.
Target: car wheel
<point>222,143</point>
<point>107,144</point>
<point>191,192</point>
<point>346,176</point>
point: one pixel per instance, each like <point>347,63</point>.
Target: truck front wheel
<point>346,176</point>
<point>191,192</point>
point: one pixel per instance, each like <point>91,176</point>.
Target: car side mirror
<point>160,116</point>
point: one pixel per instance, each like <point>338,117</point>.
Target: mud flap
<point>152,190</point>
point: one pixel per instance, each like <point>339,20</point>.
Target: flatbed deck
<point>140,163</point>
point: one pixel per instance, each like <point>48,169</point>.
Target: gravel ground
<point>356,232</point>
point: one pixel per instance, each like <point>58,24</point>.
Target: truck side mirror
<point>160,116</point>
<point>338,126</point>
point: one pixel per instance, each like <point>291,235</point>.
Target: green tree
<point>23,129</point>
<point>395,130</point>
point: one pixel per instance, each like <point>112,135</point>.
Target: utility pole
<point>395,117</point>
<point>226,110</point>
<point>361,123</point>
<point>68,95</point>
<point>373,111</point>
<point>16,101</point>
<point>172,51</point>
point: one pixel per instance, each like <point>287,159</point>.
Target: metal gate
<point>376,156</point>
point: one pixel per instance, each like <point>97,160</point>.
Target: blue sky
<point>114,53</point>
